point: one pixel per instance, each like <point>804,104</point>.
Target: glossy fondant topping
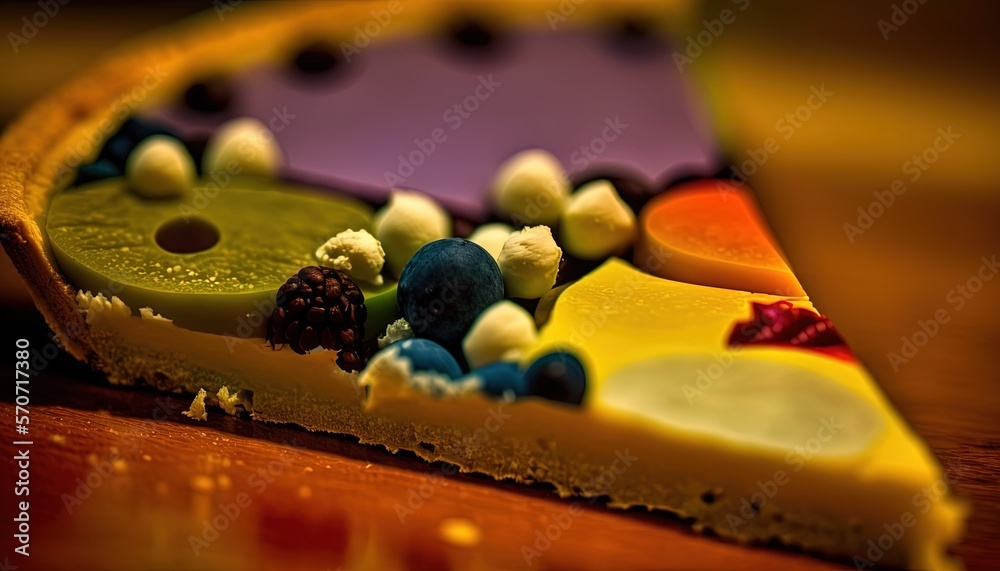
<point>412,113</point>
<point>207,261</point>
<point>763,398</point>
<point>618,315</point>
<point>711,232</point>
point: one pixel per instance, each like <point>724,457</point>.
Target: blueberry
<point>500,377</point>
<point>99,170</point>
<point>445,286</point>
<point>428,357</point>
<point>557,376</point>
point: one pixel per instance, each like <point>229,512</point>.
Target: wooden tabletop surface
<point>120,480</point>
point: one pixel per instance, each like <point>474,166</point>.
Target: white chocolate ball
<point>243,146</point>
<point>531,188</point>
<point>529,262</point>
<point>492,237</point>
<point>501,333</point>
<point>160,167</point>
<point>395,331</point>
<point>356,253</point>
<point>409,221</point>
<point>596,222</point>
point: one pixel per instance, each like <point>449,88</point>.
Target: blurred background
<point>823,107</point>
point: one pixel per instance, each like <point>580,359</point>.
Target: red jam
<point>780,323</point>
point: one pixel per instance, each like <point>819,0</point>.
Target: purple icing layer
<point>409,113</point>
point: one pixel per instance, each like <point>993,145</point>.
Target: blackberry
<point>321,307</point>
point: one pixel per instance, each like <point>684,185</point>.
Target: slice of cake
<point>464,237</point>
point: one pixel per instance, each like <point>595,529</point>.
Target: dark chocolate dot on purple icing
<point>209,95</point>
<point>472,34</point>
<point>636,37</point>
<point>632,29</point>
<point>474,37</point>
<point>317,57</point>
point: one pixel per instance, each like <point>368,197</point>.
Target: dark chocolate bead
<point>316,57</point>
<point>473,39</point>
<point>473,35</point>
<point>210,95</point>
<point>636,37</point>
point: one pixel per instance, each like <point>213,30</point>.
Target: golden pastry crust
<point>40,151</point>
